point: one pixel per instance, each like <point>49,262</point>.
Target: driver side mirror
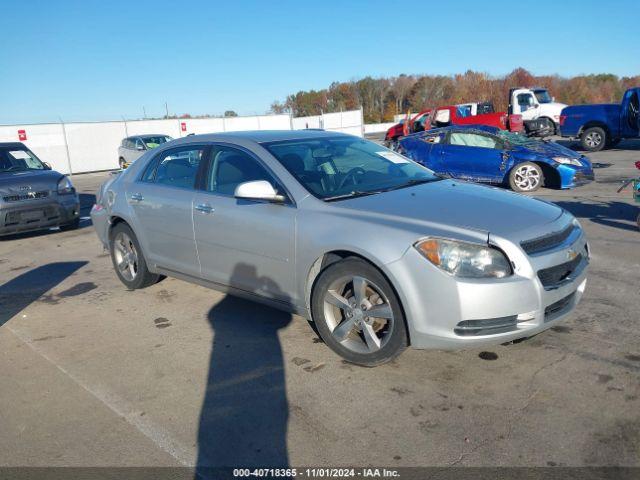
<point>140,147</point>
<point>46,166</point>
<point>258,190</point>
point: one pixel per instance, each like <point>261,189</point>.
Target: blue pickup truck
<point>603,126</point>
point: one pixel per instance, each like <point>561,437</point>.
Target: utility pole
<point>166,109</point>
<point>144,113</point>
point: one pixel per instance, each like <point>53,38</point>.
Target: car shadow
<point>243,421</point>
<point>611,214</point>
<point>19,292</point>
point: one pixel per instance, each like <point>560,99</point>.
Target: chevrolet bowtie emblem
<point>571,254</point>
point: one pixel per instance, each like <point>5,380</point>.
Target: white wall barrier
<point>377,127</point>
<point>89,147</point>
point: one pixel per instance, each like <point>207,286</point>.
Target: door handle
<point>137,197</point>
<point>204,208</point>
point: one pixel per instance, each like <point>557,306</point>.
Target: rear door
<point>246,244</point>
<point>473,156</point>
<point>162,200</point>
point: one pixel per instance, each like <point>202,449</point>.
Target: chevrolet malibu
<point>32,196</point>
<point>378,251</point>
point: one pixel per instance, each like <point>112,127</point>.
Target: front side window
<point>472,140</point>
<point>139,145</point>
<point>525,100</point>
<point>332,168</point>
<point>229,167</point>
<point>17,159</point>
<point>176,168</point>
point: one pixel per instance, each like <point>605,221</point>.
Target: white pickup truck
<point>540,112</point>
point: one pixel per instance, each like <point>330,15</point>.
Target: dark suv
<point>32,196</point>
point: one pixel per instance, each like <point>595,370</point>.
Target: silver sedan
<point>376,250</point>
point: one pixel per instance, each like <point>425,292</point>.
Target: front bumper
<point>31,215</point>
<point>446,312</point>
<point>571,176</point>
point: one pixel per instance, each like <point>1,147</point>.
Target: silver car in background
<point>132,148</point>
<point>376,250</point>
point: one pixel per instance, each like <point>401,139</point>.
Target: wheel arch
<point>551,175</point>
<point>595,123</point>
<point>333,256</point>
<point>116,220</point>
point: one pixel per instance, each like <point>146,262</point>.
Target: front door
<point>248,245</point>
<point>162,201</point>
<point>630,115</point>
<point>474,156</point>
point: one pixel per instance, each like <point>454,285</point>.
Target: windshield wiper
<point>412,182</point>
<point>352,194</point>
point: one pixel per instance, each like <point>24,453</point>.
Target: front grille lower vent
<point>553,276</point>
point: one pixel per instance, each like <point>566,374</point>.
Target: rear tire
<point>593,139</point>
<point>342,296</point>
<point>128,259</point>
<point>526,177</point>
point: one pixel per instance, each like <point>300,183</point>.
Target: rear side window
<point>176,168</point>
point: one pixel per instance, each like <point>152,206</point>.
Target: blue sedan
<point>490,155</point>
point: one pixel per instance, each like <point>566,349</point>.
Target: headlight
<point>568,161</point>
<point>465,259</point>
<point>65,186</point>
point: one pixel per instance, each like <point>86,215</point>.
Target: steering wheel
<point>351,174</point>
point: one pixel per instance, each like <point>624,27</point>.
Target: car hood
<point>448,203</point>
<point>35,180</point>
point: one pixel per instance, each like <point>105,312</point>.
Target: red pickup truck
<point>458,115</point>
<point>464,114</point>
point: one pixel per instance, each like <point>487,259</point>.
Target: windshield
<point>543,96</point>
<point>18,159</point>
<point>342,167</point>
<point>153,142</point>
<point>516,139</point>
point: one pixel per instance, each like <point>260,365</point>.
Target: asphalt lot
<point>94,375</point>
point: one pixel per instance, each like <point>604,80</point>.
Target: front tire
<point>526,177</point>
<point>343,299</point>
<point>128,260</point>
<point>121,162</point>
<point>593,139</point>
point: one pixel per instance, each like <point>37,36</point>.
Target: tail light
<point>562,119</point>
<point>637,165</point>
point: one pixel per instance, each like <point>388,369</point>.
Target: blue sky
<point>97,60</point>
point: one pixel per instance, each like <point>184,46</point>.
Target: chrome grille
<point>25,196</point>
<point>547,242</point>
<point>554,275</point>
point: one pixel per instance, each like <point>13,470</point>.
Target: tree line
<point>382,98</point>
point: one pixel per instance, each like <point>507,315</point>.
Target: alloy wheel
<point>126,256</point>
<point>527,178</point>
<point>593,139</point>
<point>358,314</point>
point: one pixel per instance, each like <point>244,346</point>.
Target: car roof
<point>463,128</point>
<point>12,145</point>
<point>260,136</point>
<point>147,135</point>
